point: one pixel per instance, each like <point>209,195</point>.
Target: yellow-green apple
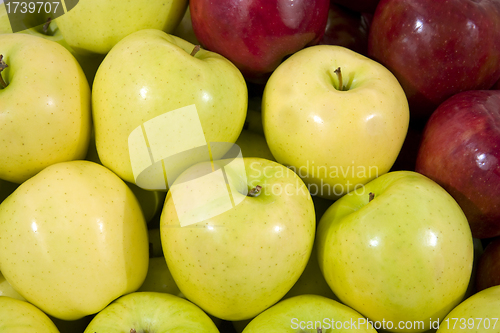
<point>236,264</point>
<point>253,145</point>
<point>95,26</point>
<point>336,117</point>
<point>73,239</point>
<point>7,290</point>
<point>159,278</point>
<point>184,29</point>
<point>151,201</point>
<point>44,106</point>
<point>5,26</point>
<point>160,74</point>
<point>309,314</point>
<point>257,34</point>
<point>437,49</point>
<point>22,317</point>
<point>460,151</point>
<point>399,249</point>
<point>151,312</point>
<point>478,313</point>
<point>488,267</point>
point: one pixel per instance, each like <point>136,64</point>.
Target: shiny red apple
<point>460,150</point>
<point>488,267</point>
<point>347,28</point>
<point>257,34</point>
<point>437,48</point>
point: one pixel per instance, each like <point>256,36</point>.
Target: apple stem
<point>46,25</point>
<point>255,192</point>
<point>195,50</point>
<point>339,75</point>
<point>3,65</point>
<point>132,330</point>
<point>371,196</point>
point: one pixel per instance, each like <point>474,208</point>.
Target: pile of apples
<point>251,166</point>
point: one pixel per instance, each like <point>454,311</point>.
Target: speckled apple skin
<point>72,239</point>
<point>251,255</point>
<point>18,316</point>
<point>405,256</point>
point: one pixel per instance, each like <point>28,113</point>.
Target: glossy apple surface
<point>336,138</point>
<point>257,34</point>
<point>237,264</point>
<point>22,317</point>
<point>460,151</point>
<point>73,239</point>
<point>347,28</point>
<point>478,313</point>
<point>488,267</point>
<point>437,48</point>
<point>406,255</point>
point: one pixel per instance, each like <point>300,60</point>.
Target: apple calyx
<point>45,28</point>
<point>255,192</point>
<point>195,50</point>
<point>371,196</point>
<point>3,65</point>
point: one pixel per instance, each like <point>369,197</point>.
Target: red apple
<point>347,28</point>
<point>437,48</point>
<point>365,6</point>
<point>257,34</point>
<point>488,268</point>
<point>460,150</point>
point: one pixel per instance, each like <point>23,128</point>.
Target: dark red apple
<point>437,48</point>
<point>460,150</point>
<point>364,6</point>
<point>488,267</point>
<point>347,28</point>
<point>257,34</point>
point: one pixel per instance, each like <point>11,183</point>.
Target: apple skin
<point>45,108</point>
<point>208,80</point>
<point>347,28</point>
<point>335,140</point>
<point>437,48</point>
<point>259,248</point>
<point>488,267</point>
<point>151,312</point>
<point>407,255</point>
<point>285,315</point>
<point>95,26</point>
<point>257,34</point>
<point>459,151</point>
<point>73,239</point>
<point>7,290</point>
<point>22,317</point>
<point>477,308</point>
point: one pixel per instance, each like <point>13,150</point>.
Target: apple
<point>347,28</point>
<point>338,129</point>
<point>151,312</point>
<point>308,314</point>
<point>478,313</point>
<point>21,316</point>
<point>236,264</point>
<point>45,106</point>
<point>365,6</point>
<point>184,29</point>
<point>253,145</point>
<point>154,88</point>
<point>459,151</point>
<point>7,290</point>
<point>159,279</point>
<point>488,267</point>
<point>73,239</point>
<point>95,26</point>
<point>5,26</point>
<point>437,49</point>
<point>6,188</point>
<point>399,249</point>
<point>256,35</point>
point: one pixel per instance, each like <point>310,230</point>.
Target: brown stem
<point>371,196</point>
<point>46,25</point>
<point>3,66</point>
<point>132,330</point>
<point>255,192</point>
<point>338,71</point>
<point>195,50</point>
